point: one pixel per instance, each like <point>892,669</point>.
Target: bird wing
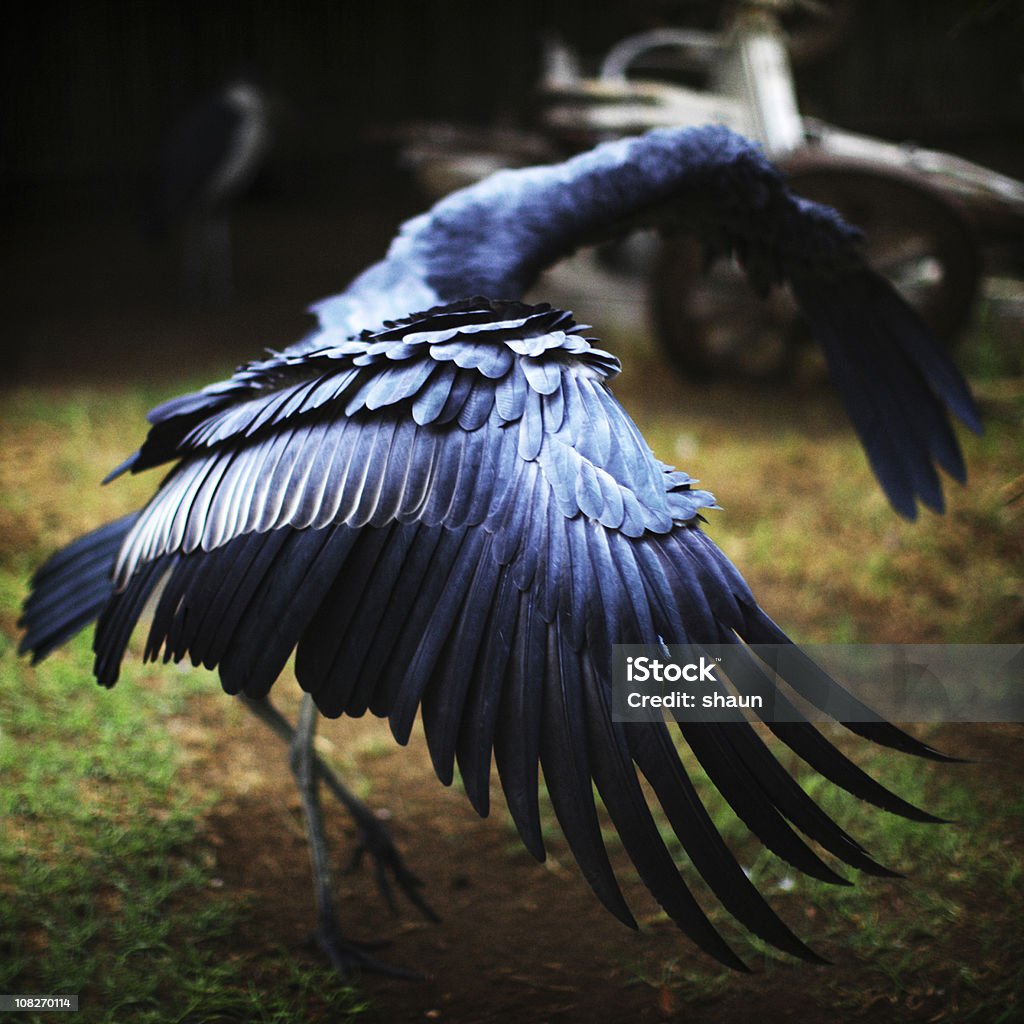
<point>454,516</point>
<point>71,588</point>
<point>896,379</point>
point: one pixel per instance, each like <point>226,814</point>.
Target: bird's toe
<point>350,956</point>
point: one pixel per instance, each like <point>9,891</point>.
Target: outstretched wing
<point>896,379</point>
<point>455,517</point>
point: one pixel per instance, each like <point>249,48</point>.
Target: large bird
<point>436,501</point>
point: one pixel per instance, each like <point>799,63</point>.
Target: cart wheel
<point>711,323</point>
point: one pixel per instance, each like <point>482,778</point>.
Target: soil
<point>518,941</point>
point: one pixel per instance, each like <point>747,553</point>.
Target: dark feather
<point>71,588</point>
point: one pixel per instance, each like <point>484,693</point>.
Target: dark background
<point>90,91</point>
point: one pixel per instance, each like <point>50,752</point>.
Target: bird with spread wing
<point>435,501</point>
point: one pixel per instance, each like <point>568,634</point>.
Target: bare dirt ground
<point>521,942</point>
<point>518,942</point>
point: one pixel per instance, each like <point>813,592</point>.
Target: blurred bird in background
<point>435,500</point>
<point>209,161</point>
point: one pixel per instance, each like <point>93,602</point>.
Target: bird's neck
<point>495,237</point>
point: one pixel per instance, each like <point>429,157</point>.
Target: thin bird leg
<point>374,836</point>
<point>344,954</point>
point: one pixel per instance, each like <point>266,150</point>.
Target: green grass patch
<point>107,886</point>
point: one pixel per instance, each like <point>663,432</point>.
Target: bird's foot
<point>376,842</point>
<point>348,957</point>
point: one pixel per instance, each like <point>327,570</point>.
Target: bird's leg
<point>374,835</point>
<point>344,954</point>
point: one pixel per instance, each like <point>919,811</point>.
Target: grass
<point>106,883</point>
<point>108,889</point>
